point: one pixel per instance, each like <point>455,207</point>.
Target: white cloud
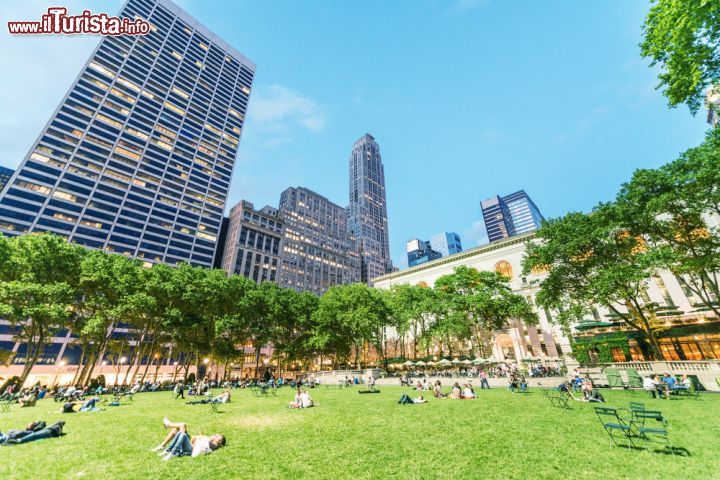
<point>475,235</point>
<point>276,107</point>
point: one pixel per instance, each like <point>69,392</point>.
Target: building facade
<point>5,176</point>
<point>447,243</point>
<point>317,250</point>
<point>712,102</point>
<point>419,251</point>
<point>367,213</point>
<point>253,243</point>
<point>137,158</point>
<point>510,215</point>
<point>689,331</point>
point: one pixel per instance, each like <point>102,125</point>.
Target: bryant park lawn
<point>500,435</point>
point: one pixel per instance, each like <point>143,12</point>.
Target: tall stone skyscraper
<point>137,158</point>
<point>367,213</point>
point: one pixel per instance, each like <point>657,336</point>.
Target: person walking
<point>484,380</point>
<point>179,391</point>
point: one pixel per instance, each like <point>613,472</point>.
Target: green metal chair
<point>645,432</point>
<point>636,406</point>
<point>614,378</point>
<point>613,423</point>
<point>634,378</point>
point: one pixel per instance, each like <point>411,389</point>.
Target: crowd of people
<point>666,385</point>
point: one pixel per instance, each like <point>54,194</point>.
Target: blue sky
<point>466,98</point>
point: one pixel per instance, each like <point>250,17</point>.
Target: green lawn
<point>500,435</point>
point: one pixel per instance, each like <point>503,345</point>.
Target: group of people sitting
<point>666,385</point>
<point>517,382</point>
<point>584,386</point>
<point>178,443</point>
<point>224,397</point>
<point>302,399</point>
<point>32,431</point>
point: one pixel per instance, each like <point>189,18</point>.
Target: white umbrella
<point>408,363</point>
<point>444,361</point>
<point>478,361</point>
<point>420,363</point>
<point>431,363</point>
<point>456,362</point>
<point>467,362</point>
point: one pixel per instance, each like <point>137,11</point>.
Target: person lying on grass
<point>178,443</point>
<point>32,432</point>
<point>87,406</point>
<point>406,400</point>
<point>224,397</point>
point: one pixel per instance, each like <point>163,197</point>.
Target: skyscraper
<point>446,243</point>
<point>253,243</point>
<point>138,156</point>
<point>367,214</point>
<point>317,250</point>
<point>510,215</point>
<point>419,251</point>
<point>5,176</point>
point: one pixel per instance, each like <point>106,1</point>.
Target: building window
<point>503,268</point>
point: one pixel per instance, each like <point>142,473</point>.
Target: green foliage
<point>602,348</point>
<point>594,260</point>
<point>682,37</point>
<point>669,208</point>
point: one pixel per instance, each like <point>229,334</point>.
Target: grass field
<point>498,436</point>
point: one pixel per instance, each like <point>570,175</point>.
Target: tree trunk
<point>30,362</point>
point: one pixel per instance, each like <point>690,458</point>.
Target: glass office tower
<point>137,159</point>
<point>510,215</point>
<point>367,214</point>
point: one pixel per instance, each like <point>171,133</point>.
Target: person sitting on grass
<point>178,443</point>
<point>456,391</point>
<point>224,397</point>
<point>34,431</point>
<point>27,400</point>
<point>437,390</point>
<point>467,393</point>
<point>87,406</point>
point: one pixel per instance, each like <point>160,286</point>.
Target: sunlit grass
<point>500,435</point>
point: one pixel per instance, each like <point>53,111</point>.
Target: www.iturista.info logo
<point>57,21</point>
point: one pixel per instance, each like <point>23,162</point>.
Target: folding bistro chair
<point>613,423</point>
<point>645,431</point>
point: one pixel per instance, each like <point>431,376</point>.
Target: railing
<point>677,366</point>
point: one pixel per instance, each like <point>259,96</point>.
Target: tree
<point>413,308</point>
<point>476,303</point>
<point>106,287</point>
<point>347,318</point>
<point>670,208</point>
<point>41,275</point>
<point>594,260</point>
<point>682,37</point>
